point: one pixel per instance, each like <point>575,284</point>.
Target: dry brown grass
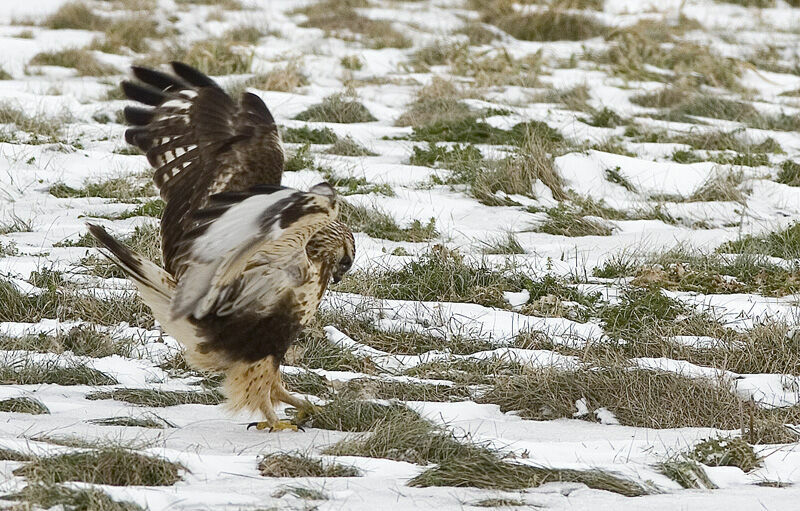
<point>339,108</point>
<point>573,98</point>
<point>720,186</point>
<point>222,4</point>
<point>656,43</point>
<point>113,465</point>
<point>215,56</point>
<point>498,68</point>
<point>518,173</point>
<point>50,496</point>
<point>640,398</point>
<point>80,59</point>
<point>339,17</point>
<point>40,125</point>
<point>63,300</point>
<point>298,464</point>
<point>285,78</point>
<point>666,97</point>
<point>249,34</point>
<point>130,33</point>
<point>438,53</point>
<point>553,24</point>
<point>478,33</point>
<point>133,5</point>
<point>76,15</point>
<point>440,100</point>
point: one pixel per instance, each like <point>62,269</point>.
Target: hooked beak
<point>337,277</point>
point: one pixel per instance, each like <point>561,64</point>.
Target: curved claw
<point>276,426</point>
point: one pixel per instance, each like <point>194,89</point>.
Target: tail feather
<point>157,288</point>
<point>142,271</point>
<point>154,284</point>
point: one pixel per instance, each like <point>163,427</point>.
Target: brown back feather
<point>200,143</point>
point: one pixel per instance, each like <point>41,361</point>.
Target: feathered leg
<point>305,409</point>
<point>257,386</point>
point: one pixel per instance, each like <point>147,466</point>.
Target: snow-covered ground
<point>220,454</point>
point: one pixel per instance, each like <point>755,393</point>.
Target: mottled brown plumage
<point>200,143</point>
<point>247,261</point>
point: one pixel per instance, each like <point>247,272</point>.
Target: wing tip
<point>192,75</point>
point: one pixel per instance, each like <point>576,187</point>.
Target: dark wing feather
<point>200,143</point>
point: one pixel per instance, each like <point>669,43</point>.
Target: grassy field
<point>578,257</point>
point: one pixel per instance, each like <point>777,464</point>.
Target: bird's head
<point>344,256</point>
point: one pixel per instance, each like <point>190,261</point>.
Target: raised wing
<point>272,221</point>
<point>200,143</point>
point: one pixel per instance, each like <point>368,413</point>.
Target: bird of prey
<point>246,260</point>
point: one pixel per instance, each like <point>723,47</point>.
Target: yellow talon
<point>283,425</point>
<point>277,426</point>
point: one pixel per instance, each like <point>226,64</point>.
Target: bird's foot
<point>305,414</point>
<point>302,415</point>
<point>275,426</point>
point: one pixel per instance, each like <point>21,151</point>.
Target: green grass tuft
<point>160,398</point>
<point>344,414</point>
<point>462,463</point>
<point>80,340</point>
<point>351,185</point>
<point>46,496</point>
<point>29,372</point>
<point>115,466</point>
<point>298,464</point>
<point>306,135</point>
<point>487,471</point>
<point>651,399</point>
<point>687,473</point>
<point>439,275</point>
<point>784,243</point>
<point>564,220</point>
<point>445,156</point>
<point>23,405</point>
<point>120,188</point>
<point>337,108</point>
<point>152,208</point>
<point>63,301</point>
<point>789,173</point>
<point>348,146</point>
<point>472,131</point>
<point>371,388</point>
<point>378,224</point>
<point>725,452</point>
<point>300,159</point>
<point>151,421</point>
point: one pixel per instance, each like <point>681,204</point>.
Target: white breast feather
<point>218,257</point>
